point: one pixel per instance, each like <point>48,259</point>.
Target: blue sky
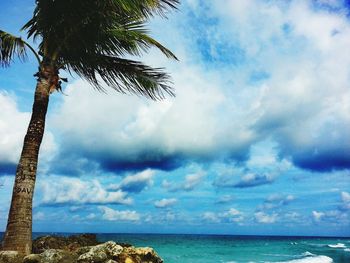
<point>255,142</point>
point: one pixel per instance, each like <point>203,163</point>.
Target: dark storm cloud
<point>161,162</point>
<point>75,159</point>
<point>321,148</point>
<point>7,168</point>
<point>338,159</point>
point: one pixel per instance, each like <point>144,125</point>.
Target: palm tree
<point>90,38</point>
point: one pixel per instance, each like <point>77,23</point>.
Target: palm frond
<point>92,38</point>
<point>147,8</point>
<point>134,35</point>
<point>11,47</point>
<point>123,75</point>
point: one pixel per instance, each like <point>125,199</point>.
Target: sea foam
<point>339,245</point>
<point>316,259</point>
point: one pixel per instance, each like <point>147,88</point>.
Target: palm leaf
<point>134,35</point>
<point>11,47</point>
<point>123,75</point>
<point>146,8</point>
<point>92,38</point>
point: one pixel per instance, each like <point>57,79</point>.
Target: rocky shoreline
<point>81,249</point>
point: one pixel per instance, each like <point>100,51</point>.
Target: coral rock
<point>70,243</point>
<point>10,257</point>
<point>32,258</point>
<point>57,256</point>
<point>101,253</point>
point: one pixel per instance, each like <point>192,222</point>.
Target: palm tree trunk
<point>18,235</point>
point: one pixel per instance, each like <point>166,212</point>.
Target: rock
<point>82,250</point>
<point>32,258</point>
<point>10,257</point>
<point>139,255</point>
<point>58,256</point>
<point>129,260</point>
<point>109,252</point>
<point>148,255</point>
<point>123,244</point>
<point>101,253</point>
<point>70,243</point>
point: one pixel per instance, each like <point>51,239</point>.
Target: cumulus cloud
<point>304,48</point>
<point>263,167</point>
<point>12,129</point>
<point>136,182</point>
<point>340,215</point>
<point>13,125</point>
<point>293,217</point>
<point>211,217</point>
<point>262,217</point>
<point>66,190</point>
<point>165,203</point>
<point>317,216</point>
<point>335,217</point>
<point>246,180</point>
<point>165,216</point>
<point>345,197</point>
<point>116,215</point>
<point>189,183</point>
<point>231,215</point>
<point>91,216</point>
<point>250,180</point>
<point>276,200</point>
<point>39,216</point>
<point>145,134</point>
<point>224,199</point>
<point>228,97</point>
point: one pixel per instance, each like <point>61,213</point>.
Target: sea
<point>174,248</point>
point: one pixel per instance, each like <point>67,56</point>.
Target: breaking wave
<point>311,259</point>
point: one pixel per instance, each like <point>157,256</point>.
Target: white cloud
<point>135,182</point>
<point>91,216</point>
<point>164,203</point>
<point>13,126</point>
<point>293,217</point>
<point>317,216</point>
<point>304,47</point>
<point>262,217</point>
<point>169,216</point>
<point>276,200</point>
<point>39,216</point>
<point>188,184</point>
<point>12,129</point>
<point>335,217</point>
<point>223,110</point>
<point>67,190</point>
<point>164,216</point>
<point>345,197</point>
<point>252,179</point>
<point>192,180</point>
<point>224,199</point>
<point>231,215</point>
<point>116,215</point>
<point>211,217</point>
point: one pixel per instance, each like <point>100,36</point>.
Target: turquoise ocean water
<point>236,249</point>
